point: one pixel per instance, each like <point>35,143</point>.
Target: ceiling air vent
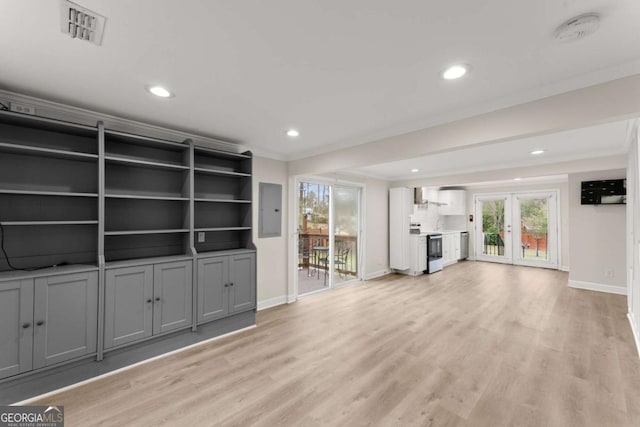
<point>81,23</point>
<point>578,27</point>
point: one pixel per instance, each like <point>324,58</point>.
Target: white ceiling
<point>590,142</point>
<point>342,72</point>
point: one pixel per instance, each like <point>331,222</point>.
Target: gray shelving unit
<point>222,199</point>
<point>48,192</point>
<point>103,215</point>
<point>147,197</point>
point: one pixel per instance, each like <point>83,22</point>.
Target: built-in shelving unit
<point>147,194</point>
<point>130,237</point>
<point>222,200</point>
<point>48,192</point>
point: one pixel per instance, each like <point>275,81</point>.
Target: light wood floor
<point>478,344</point>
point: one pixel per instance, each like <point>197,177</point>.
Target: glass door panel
<point>534,216</point>
<point>493,229</point>
<point>313,237</point>
<point>346,214</point>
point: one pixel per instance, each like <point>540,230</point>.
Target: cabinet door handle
<point>157,298</point>
<point>40,322</point>
<point>226,285</point>
<point>231,284</point>
<point>26,325</point>
<point>149,301</point>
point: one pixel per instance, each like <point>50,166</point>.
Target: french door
<point>517,228</point>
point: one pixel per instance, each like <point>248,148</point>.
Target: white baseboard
<point>376,274</point>
<point>564,268</point>
<point>272,302</point>
<point>610,289</point>
<point>635,331</point>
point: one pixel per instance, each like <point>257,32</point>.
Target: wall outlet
<point>609,272</point>
<point>200,236</point>
<point>22,108</point>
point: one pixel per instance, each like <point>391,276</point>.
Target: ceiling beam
<point>602,103</point>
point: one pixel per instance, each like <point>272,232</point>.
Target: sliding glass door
<point>518,228</point>
<point>328,224</point>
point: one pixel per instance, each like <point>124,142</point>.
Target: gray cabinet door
<point>66,318</point>
<point>172,292</point>
<point>213,299</point>
<point>128,308</point>
<point>16,327</point>
<point>242,286</point>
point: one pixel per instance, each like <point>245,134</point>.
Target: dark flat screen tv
<point>604,192</point>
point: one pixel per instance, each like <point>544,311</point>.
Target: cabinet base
<point>35,383</point>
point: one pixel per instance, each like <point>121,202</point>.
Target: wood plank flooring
<point>477,344</point>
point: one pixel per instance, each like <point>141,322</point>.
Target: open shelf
<point>121,247</point>
<point>127,215</point>
<point>142,197</point>
<point>29,209</point>
<point>144,163</point>
<point>23,172</point>
<point>224,239</point>
<point>143,141</point>
<point>160,183</point>
<point>217,229</point>
<point>150,231</point>
<point>45,152</point>
<point>49,137</point>
<point>30,223</point>
<point>212,152</point>
<point>47,193</point>
<point>205,200</point>
<point>45,245</point>
<point>222,216</point>
<point>220,172</point>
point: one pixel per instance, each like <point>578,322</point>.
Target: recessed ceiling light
<point>415,170</point>
<point>455,72</point>
<point>517,179</point>
<point>160,92</point>
<point>293,133</point>
<point>536,152</point>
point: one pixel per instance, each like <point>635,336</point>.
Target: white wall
<point>597,238</point>
<point>633,232</point>
<point>272,251</point>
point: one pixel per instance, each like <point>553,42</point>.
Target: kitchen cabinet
<point>16,327</point>
<point>47,320</point>
<point>418,254</point>
<point>226,285</point>
<point>454,202</point>
<point>146,300</point>
<point>450,248</point>
<point>400,210</point>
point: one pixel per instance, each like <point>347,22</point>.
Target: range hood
<point>422,196</point>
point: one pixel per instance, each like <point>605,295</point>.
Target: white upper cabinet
<point>454,202</point>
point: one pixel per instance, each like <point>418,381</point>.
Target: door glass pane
<point>345,254</point>
<point>313,237</point>
<point>493,221</point>
<point>534,215</point>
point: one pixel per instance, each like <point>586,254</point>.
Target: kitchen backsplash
<point>430,220</point>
